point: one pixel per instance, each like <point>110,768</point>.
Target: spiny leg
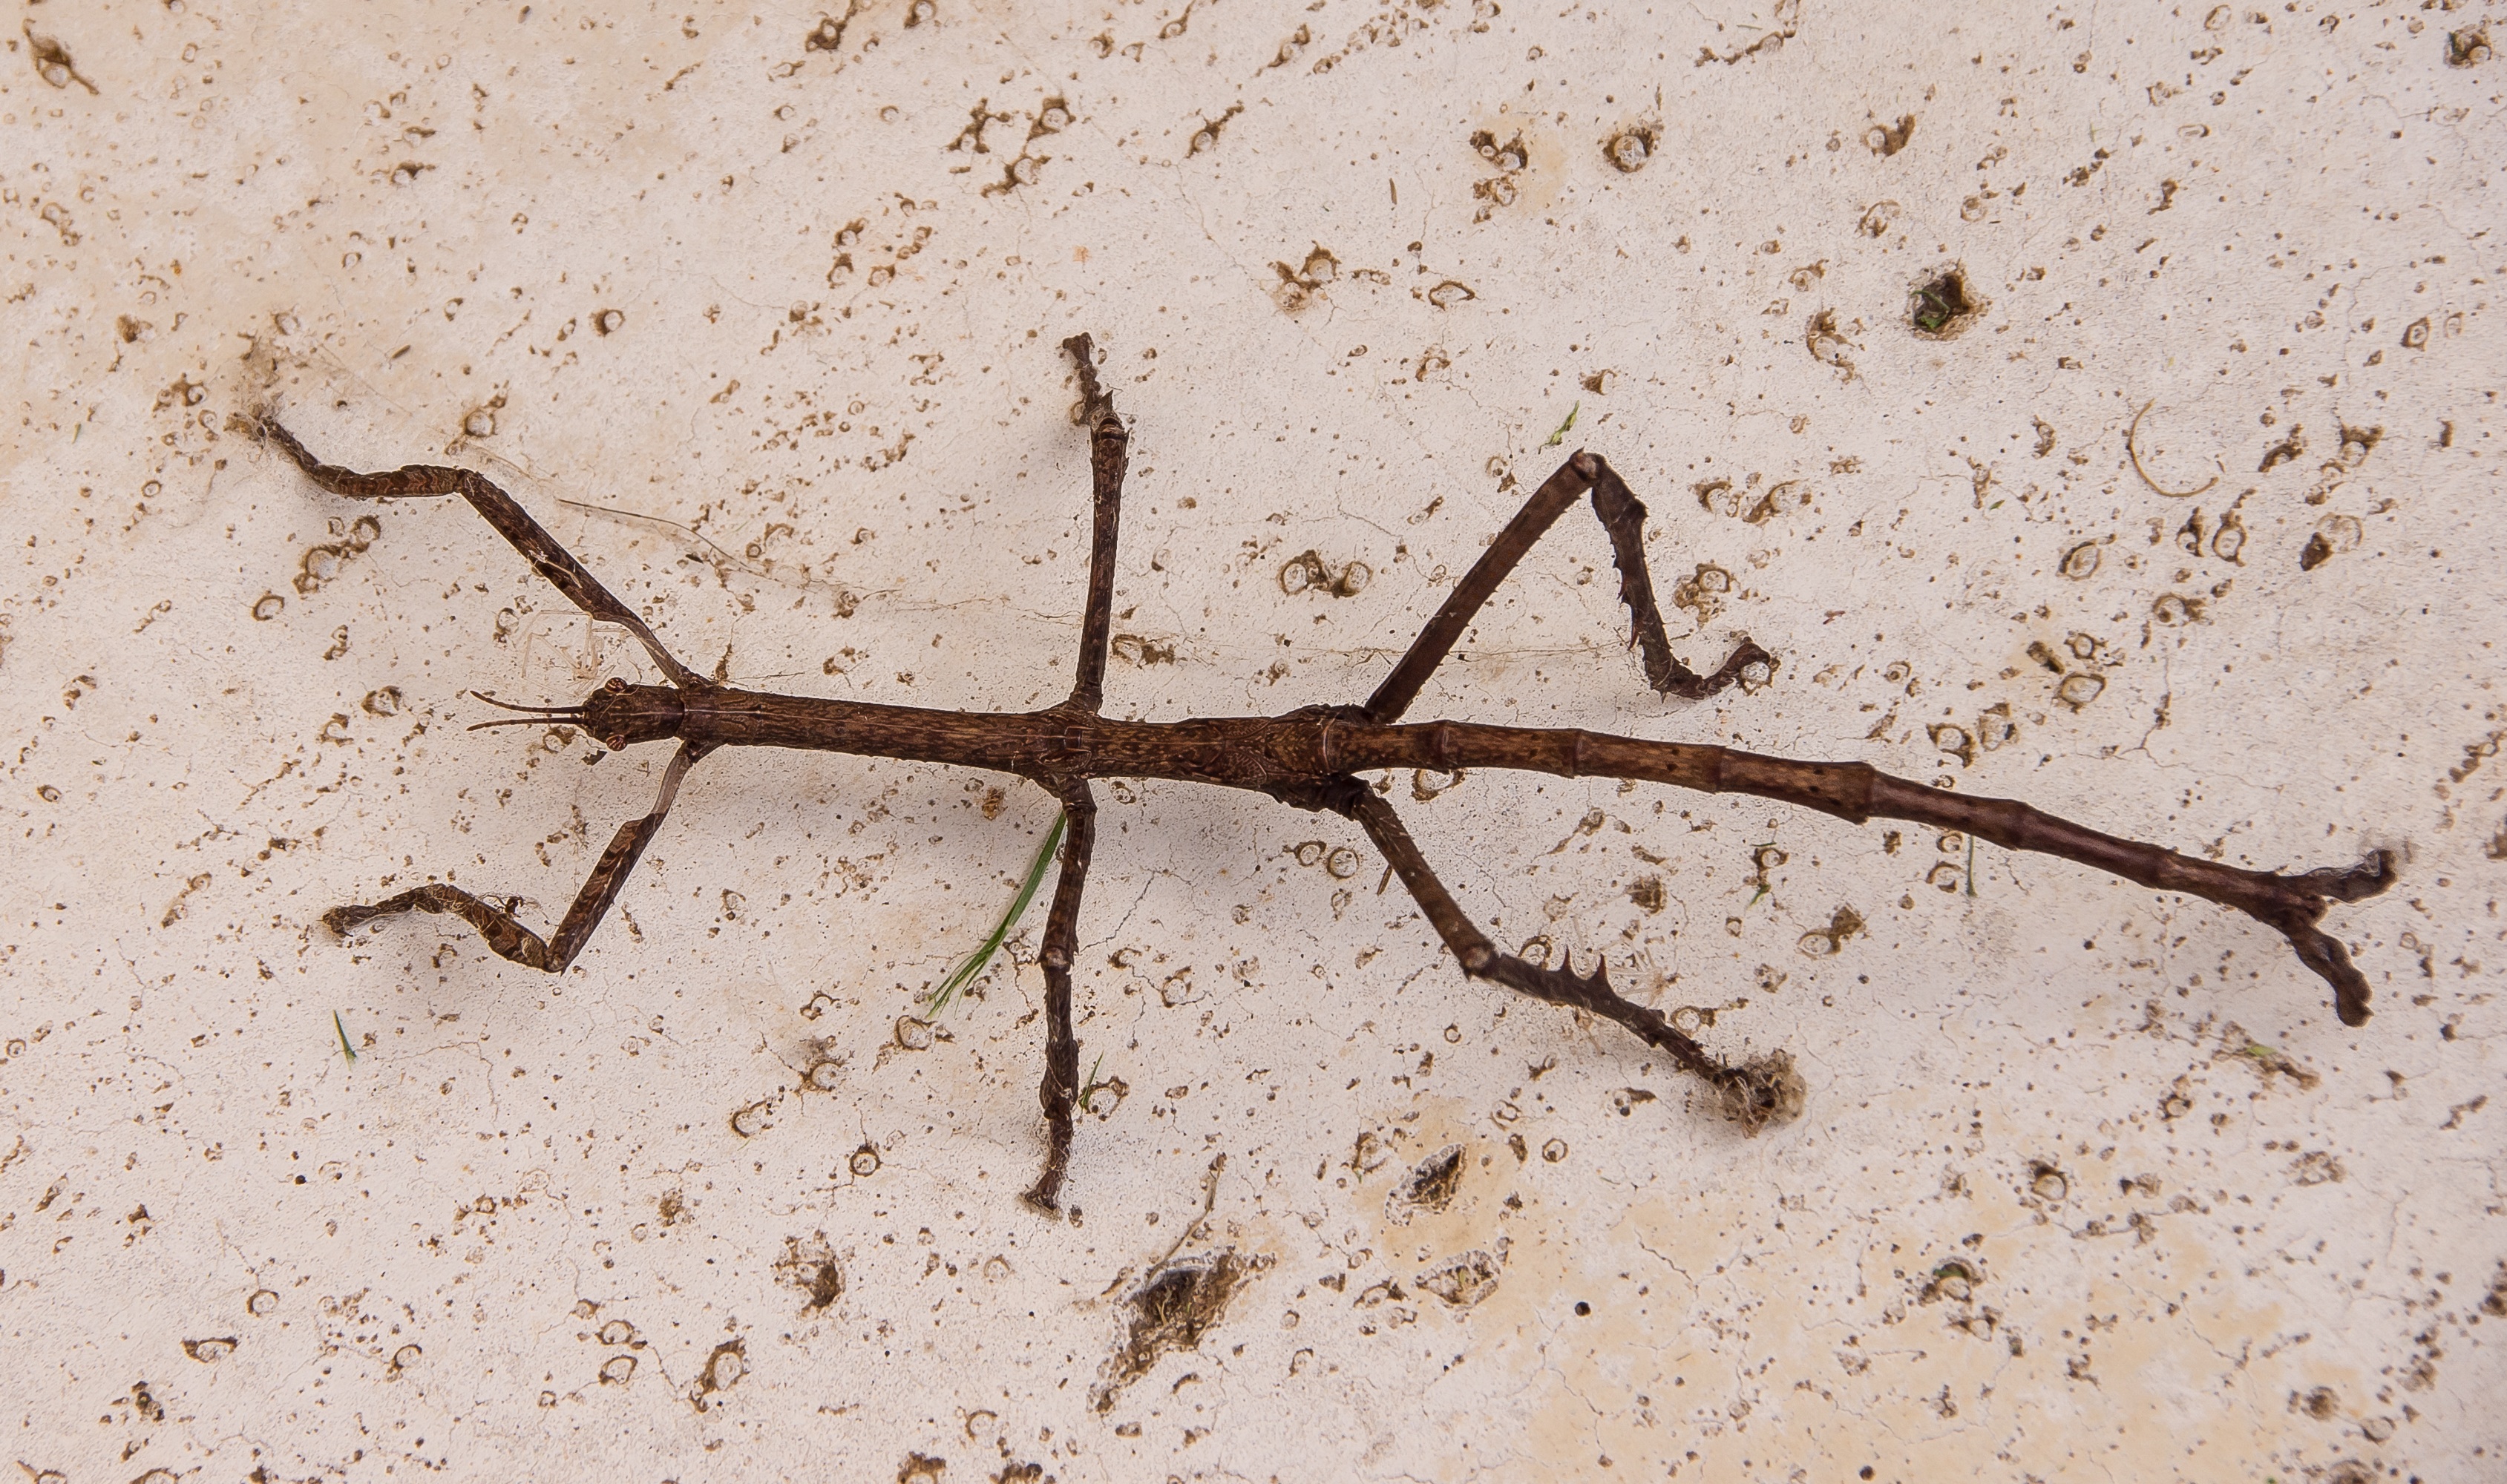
<point>506,936</point>
<point>1108,456</point>
<point>548,559</point>
<point>1623,518</point>
<point>1060,1090</point>
<point>1756,1095</point>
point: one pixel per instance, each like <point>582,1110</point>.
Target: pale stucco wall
<point>2090,1182</point>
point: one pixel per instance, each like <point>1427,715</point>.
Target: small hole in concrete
<point>1941,305</point>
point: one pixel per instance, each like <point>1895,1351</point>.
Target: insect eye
<point>616,686</point>
<point>618,742</point>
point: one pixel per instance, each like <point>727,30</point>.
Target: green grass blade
<point>964,974</point>
<point>346,1049</point>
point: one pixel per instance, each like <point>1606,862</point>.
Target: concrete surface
<point>758,310</point>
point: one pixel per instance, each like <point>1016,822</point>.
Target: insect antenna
<point>536,712</point>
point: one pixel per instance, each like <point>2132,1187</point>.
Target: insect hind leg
<point>1622,518</point>
<point>1762,1091</point>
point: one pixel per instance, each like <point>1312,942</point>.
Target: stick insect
<point>1309,758</point>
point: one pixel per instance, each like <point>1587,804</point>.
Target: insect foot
<point>1763,1091</point>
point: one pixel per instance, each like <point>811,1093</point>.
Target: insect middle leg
<point>504,933</point>
<point>1622,515</point>
<point>1060,1090</point>
<point>1108,457</point>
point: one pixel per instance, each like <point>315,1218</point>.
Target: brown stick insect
<point>1309,758</point>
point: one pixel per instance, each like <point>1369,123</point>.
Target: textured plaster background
<point>758,308</point>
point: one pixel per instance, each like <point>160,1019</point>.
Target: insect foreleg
<point>505,935</point>
<point>503,512</point>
